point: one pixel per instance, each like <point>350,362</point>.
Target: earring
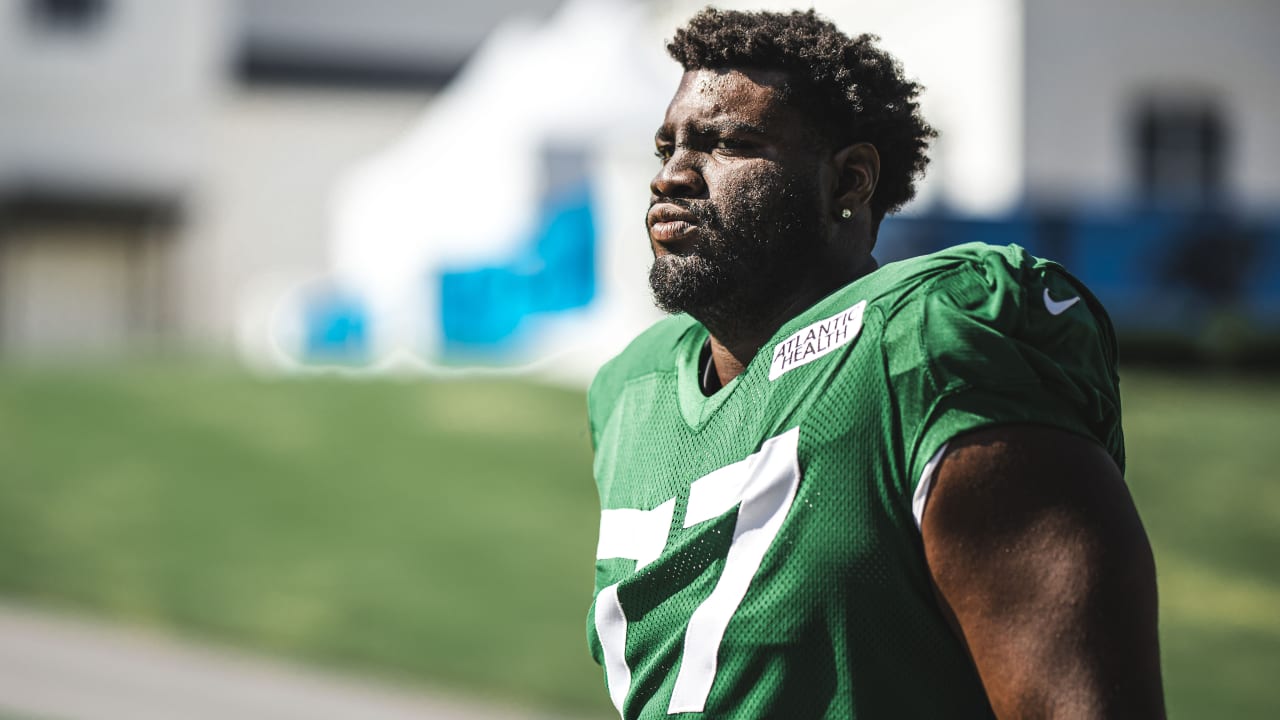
<point>846,213</point>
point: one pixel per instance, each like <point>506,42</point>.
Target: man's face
<point>736,212</point>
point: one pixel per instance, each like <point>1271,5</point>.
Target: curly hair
<point>855,91</point>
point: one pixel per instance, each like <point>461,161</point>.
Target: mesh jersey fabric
<point>758,557</point>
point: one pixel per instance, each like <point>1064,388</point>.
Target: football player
<point>836,490</point>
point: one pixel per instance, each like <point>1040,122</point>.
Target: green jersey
<point>759,551</point>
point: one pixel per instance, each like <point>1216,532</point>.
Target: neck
<point>736,336</point>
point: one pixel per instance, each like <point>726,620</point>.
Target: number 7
<point>765,485</point>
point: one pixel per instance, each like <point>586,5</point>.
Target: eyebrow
<point>729,126</point>
<point>711,128</point>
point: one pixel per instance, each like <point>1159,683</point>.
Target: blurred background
<point>299,300</point>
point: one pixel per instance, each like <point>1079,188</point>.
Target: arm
<point>1036,550</point>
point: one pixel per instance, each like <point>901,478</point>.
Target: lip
<point>670,223</point>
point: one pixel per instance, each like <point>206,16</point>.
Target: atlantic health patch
<point>813,341</point>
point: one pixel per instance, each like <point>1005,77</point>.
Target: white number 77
<point>765,485</point>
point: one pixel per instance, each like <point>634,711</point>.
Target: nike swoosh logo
<point>1057,307</point>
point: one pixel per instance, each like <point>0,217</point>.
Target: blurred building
<point>1147,140</point>
<point>104,110</point>
<point>172,173</point>
<point>1169,102</point>
<point>158,160</point>
<point>1150,147</point>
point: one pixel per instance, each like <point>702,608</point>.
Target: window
<point>1180,148</point>
<point>66,15</point>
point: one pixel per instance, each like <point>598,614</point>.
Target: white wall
<point>415,31</point>
<point>1088,60</point>
<point>121,106</point>
<point>260,216</point>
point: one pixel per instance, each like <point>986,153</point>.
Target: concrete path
<point>58,668</point>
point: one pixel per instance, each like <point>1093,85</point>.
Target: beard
<point>749,253</point>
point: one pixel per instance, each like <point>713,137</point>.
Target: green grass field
<point>444,532</point>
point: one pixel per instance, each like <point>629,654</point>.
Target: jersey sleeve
<point>1004,338</point>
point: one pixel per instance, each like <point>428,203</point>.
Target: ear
<point>857,172</point>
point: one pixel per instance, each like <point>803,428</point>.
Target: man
<point>831,490</point>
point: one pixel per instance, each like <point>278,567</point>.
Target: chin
<point>686,283</point>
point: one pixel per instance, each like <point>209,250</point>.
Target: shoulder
<point>978,335</point>
<point>975,268</point>
<point>977,292</point>
<point>652,351</point>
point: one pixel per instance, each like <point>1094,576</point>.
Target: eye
<point>731,145</point>
<point>663,153</point>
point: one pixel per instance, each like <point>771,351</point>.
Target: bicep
<point>1037,551</point>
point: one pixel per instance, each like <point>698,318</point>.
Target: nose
<point>678,178</point>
